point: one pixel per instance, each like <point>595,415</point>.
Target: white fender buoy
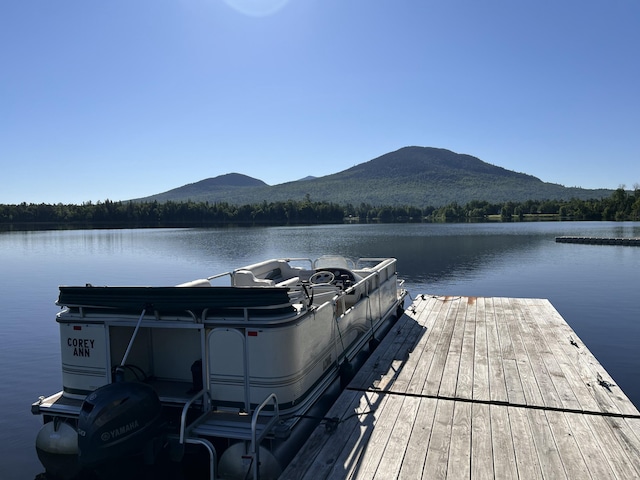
<point>57,449</point>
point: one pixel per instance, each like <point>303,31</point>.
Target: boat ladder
<point>214,423</point>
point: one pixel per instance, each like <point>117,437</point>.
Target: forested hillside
<point>414,176</point>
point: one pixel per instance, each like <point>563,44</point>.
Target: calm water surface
<point>594,288</point>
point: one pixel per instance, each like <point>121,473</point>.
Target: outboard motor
<point>117,420</point>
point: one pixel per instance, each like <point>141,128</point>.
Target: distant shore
<point>621,206</point>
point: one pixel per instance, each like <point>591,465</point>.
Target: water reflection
<point>593,287</point>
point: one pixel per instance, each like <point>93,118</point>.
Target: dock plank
<point>437,460</point>
<point>481,381</point>
<point>452,355</point>
<point>527,463</point>
<point>411,378</point>
<point>504,455</point>
<point>570,454</point>
<point>415,456</point>
<point>399,439</point>
<point>479,388</point>
<point>610,399</point>
<point>528,380</point>
<point>482,464</point>
<point>614,449</point>
<point>497,382</point>
<point>459,462</point>
<point>592,451</point>
<point>536,347</point>
<point>464,385</point>
<point>423,361</point>
<point>564,377</point>
<point>513,382</point>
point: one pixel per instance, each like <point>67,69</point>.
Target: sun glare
<point>257,8</point>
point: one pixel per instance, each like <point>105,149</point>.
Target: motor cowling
<point>117,420</point>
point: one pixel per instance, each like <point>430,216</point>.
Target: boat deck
<point>466,387</point>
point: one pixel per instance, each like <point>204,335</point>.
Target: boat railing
<point>258,430</point>
<point>247,314</point>
<point>185,411</point>
<point>299,259</point>
<point>219,275</point>
<point>384,271</point>
<point>376,260</point>
<point>213,455</point>
<point>183,436</point>
<point>333,261</point>
<point>348,298</point>
<point>255,438</point>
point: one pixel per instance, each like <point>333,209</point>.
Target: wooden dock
<point>626,241</point>
<point>477,388</point>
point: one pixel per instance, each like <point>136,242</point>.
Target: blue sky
<point>121,99</point>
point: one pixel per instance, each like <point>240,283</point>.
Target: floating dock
<point>627,241</point>
<point>477,388</point>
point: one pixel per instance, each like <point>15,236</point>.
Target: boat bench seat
<point>246,278</point>
<point>269,273</point>
<point>276,270</point>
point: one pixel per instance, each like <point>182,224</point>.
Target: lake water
<point>595,288</point>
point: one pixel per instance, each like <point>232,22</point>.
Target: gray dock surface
<point>477,388</point>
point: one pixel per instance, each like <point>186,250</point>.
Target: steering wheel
<point>321,277</point>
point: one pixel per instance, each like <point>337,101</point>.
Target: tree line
<point>621,205</point>
<point>145,214</point>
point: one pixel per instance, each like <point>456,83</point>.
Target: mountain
<point>204,188</point>
<point>416,176</point>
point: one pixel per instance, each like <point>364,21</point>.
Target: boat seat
<point>246,278</point>
<point>276,270</point>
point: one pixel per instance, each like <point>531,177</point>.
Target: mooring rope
<point>502,403</point>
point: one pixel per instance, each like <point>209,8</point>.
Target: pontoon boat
<point>233,371</point>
